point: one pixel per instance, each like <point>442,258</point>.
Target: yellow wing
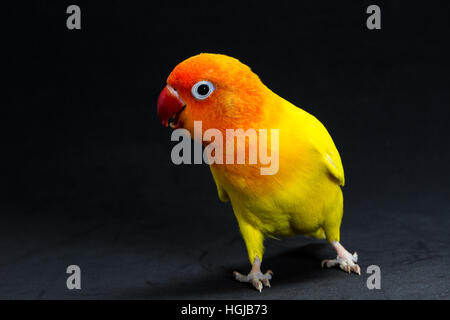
<point>322,141</point>
<point>334,166</point>
<point>305,128</point>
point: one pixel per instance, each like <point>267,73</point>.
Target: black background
<point>87,179</point>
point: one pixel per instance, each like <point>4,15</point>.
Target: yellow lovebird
<point>300,195</point>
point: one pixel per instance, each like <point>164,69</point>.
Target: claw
<point>357,270</point>
<point>257,284</point>
<point>266,282</point>
<point>239,277</point>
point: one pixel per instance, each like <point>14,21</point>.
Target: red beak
<point>169,106</point>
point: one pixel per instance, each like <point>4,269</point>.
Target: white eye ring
<point>199,92</point>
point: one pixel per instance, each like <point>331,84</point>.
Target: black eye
<point>202,89</point>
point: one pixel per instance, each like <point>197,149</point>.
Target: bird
<point>303,197</point>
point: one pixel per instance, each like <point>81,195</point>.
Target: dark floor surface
<point>157,255</point>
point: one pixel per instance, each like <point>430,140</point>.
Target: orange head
<point>216,89</point>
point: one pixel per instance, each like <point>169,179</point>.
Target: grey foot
<point>345,261</point>
<point>256,278</point>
